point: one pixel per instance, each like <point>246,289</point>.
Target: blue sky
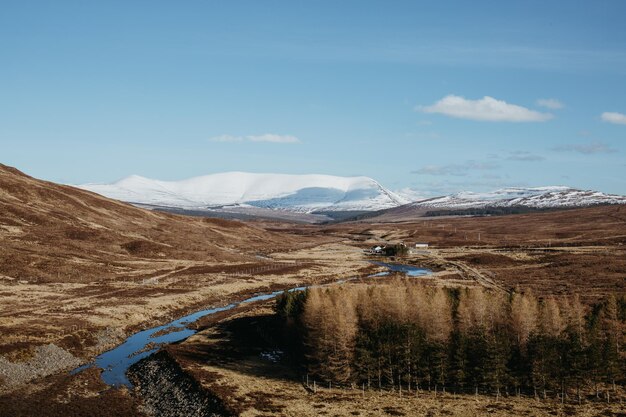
<point>434,96</point>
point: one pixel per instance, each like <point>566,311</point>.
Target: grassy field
<point>561,252</point>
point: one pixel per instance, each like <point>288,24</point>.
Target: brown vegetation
<point>81,271</point>
<point>75,265</point>
<point>405,334</point>
<point>560,252</point>
<point>227,360</point>
<point>56,233</point>
<point>64,395</point>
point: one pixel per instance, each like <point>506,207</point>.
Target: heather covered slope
<point>78,271</point>
<point>56,232</point>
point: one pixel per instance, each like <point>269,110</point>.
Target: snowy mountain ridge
<point>315,193</point>
<point>536,197</point>
<point>299,193</point>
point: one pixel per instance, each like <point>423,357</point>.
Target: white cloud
<point>484,109</point>
<point>268,137</point>
<point>550,103</point>
<point>612,117</point>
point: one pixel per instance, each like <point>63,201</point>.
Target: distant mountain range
<point>538,197</point>
<point>243,192</point>
<point>296,193</point>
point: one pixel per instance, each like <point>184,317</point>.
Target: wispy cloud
<point>550,103</point>
<point>586,148</point>
<point>437,52</point>
<point>613,117</point>
<point>268,137</point>
<point>443,187</point>
<point>455,169</point>
<point>524,156</point>
<point>484,109</point>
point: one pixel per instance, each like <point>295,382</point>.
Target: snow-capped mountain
<point>243,191</point>
<point>299,193</point>
<point>538,197</point>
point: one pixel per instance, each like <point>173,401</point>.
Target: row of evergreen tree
<point>409,335</point>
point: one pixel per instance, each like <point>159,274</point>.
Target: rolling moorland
<point>80,272</point>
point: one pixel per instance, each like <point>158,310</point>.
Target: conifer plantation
<point>408,336</point>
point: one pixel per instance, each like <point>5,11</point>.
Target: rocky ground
<point>46,360</point>
<point>167,391</point>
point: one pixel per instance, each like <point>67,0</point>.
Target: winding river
<point>115,362</point>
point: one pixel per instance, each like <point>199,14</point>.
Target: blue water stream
<point>115,362</point>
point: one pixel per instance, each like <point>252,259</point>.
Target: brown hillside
<point>81,271</point>
<point>51,232</point>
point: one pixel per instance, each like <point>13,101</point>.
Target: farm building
<point>376,250</point>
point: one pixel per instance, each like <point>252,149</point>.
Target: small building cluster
<point>397,249</point>
<point>375,250</point>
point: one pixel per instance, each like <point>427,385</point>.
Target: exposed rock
<point>168,391</point>
<point>48,359</point>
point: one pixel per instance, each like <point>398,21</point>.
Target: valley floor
<point>80,320</point>
<point>51,326</point>
<point>234,361</point>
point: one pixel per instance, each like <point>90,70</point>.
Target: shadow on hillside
<point>253,345</point>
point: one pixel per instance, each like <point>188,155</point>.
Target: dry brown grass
<point>63,395</point>
<point>225,358</point>
<point>563,252</point>
<point>74,264</point>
